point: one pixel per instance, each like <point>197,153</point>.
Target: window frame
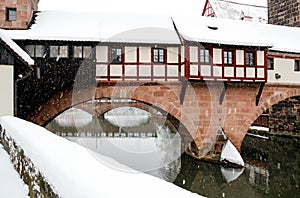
<point>161,57</point>
<point>115,59</point>
<point>8,14</point>
<point>270,63</point>
<point>248,60</point>
<point>83,54</point>
<point>205,55</point>
<point>34,55</point>
<point>297,65</point>
<point>227,57</point>
<point>59,50</point>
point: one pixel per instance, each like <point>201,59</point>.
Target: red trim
<point>205,8</point>
<point>138,63</point>
<point>123,62</point>
<point>266,65</point>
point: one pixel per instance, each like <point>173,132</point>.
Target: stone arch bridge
<point>200,107</point>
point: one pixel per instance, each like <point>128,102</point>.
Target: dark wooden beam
<point>223,93</point>
<point>261,87</point>
<point>183,90</point>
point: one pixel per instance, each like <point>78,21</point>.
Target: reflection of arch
<point>157,96</point>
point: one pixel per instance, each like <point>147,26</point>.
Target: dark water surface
<point>272,165</point>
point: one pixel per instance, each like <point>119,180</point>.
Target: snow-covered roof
<point>233,9</point>
<point>236,32</point>
<point>93,26</point>
<point>157,29</point>
<point>15,48</point>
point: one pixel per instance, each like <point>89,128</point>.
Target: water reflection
<point>272,167</point>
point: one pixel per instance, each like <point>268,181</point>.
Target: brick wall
<point>284,12</point>
<point>285,117</point>
<point>24,12</point>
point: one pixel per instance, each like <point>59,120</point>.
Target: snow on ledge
<point>74,172</point>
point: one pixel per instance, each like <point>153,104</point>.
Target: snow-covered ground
<point>11,185</point>
<point>75,172</point>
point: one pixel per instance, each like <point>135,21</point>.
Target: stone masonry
<point>284,12</point>
<point>24,13</point>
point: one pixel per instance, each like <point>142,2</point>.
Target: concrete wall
<point>6,90</point>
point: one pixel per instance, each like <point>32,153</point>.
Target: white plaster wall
<point>145,70</point>
<point>240,57</point>
<point>130,54</point>
<point>229,72</point>
<point>217,71</point>
<point>101,70</point>
<point>6,90</point>
<point>285,68</point>
<point>158,70</point>
<point>172,54</point>
<point>172,70</point>
<point>260,58</point>
<point>116,70</point>
<point>145,54</point>
<point>217,56</point>
<point>194,70</point>
<point>193,54</point>
<point>130,70</point>
<point>101,53</point>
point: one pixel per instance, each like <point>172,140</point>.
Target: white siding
<point>240,57</point>
<point>217,71</point>
<point>101,70</point>
<point>217,56</point>
<point>7,90</point>
<point>130,70</point>
<point>285,68</point>
<point>145,70</point>
<point>172,71</point>
<point>229,72</point>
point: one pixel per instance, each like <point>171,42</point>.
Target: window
<point>296,66</point>
<point>82,51</point>
<point>59,51</point>
<point>270,64</point>
<point>11,14</point>
<point>250,58</point>
<point>228,57</point>
<point>204,56</point>
<point>36,50</point>
<point>158,55</point>
<point>116,55</point>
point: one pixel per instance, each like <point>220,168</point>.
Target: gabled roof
<point>234,9</point>
<point>15,48</point>
<point>236,32</point>
<point>100,27</point>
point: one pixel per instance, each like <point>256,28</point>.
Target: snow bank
<point>11,185</point>
<point>74,172</point>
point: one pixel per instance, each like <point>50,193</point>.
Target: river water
<point>152,145</point>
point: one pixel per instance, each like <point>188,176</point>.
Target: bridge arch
<point>160,96</point>
<point>272,94</point>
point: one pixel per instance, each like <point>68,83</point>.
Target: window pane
<point>30,50</point>
<point>11,14</point>
<point>63,51</point>
<point>78,51</point>
<point>115,55</point>
<point>297,66</point>
<point>270,64</point>
<point>40,50</point>
<point>230,58</point>
<point>53,51</point>
<point>206,56</point>
<point>87,51</point>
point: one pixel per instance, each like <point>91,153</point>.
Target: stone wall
<point>285,117</point>
<point>24,13</point>
<point>284,12</point>
<point>37,184</point>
